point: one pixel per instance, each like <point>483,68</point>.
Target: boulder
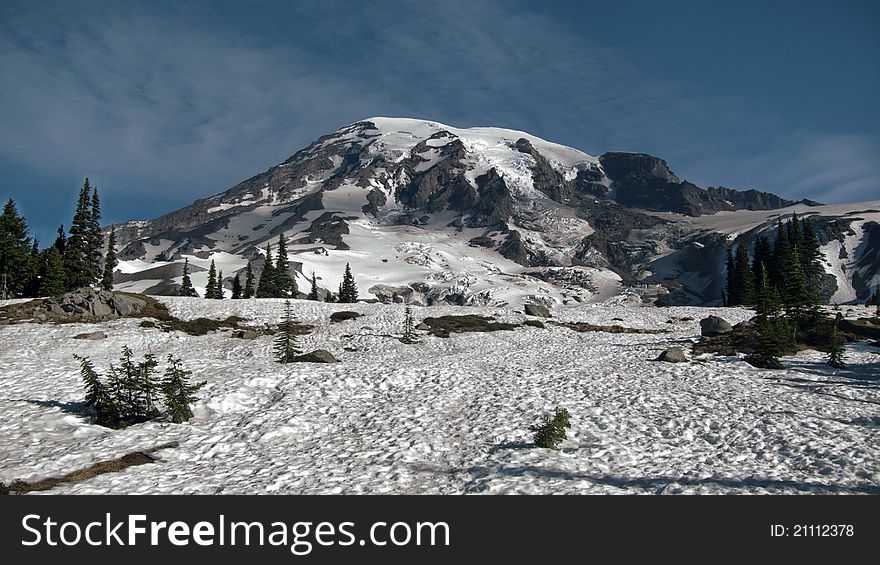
<point>537,310</point>
<point>713,325</point>
<point>672,355</point>
<point>317,356</point>
<point>245,334</point>
<point>91,335</point>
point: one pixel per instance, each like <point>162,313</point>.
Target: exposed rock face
<point>317,356</point>
<point>81,305</point>
<point>644,181</point>
<point>509,194</point>
<point>537,310</point>
<point>714,325</point>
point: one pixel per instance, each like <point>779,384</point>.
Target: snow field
<point>448,415</point>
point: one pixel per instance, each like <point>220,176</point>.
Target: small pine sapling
<point>835,356</point>
<point>284,347</point>
<point>551,431</point>
<point>409,331</point>
<point>178,392</point>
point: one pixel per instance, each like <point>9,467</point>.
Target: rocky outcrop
<point>81,305</point>
<point>537,310</point>
<point>673,355</point>
<point>317,356</point>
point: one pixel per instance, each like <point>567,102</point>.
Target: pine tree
<point>282,269</point>
<point>16,266</point>
<point>52,273</point>
<point>60,240</point>
<point>836,351</point>
<point>772,329</point>
<point>110,261</point>
<point>248,282</point>
<point>97,395</point>
<point>186,286</point>
<point>762,256</point>
<point>732,290</point>
<point>348,291</point>
<point>811,255</point>
<point>743,276</point>
<point>178,392</point>
<point>284,347</point>
<point>266,287</point>
<point>236,287</point>
<point>211,288</point>
<point>313,292</point>
<point>218,287</point>
<point>781,256</point>
<point>409,332</point>
<point>78,248</point>
<point>95,237</point>
<point>551,431</point>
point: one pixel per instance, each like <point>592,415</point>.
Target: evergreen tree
<point>211,288</point>
<point>743,276</point>
<point>551,431</point>
<point>186,285</point>
<point>78,248</point>
<point>772,329</point>
<point>266,287</point>
<point>248,282</point>
<point>110,261</point>
<point>282,269</point>
<point>313,292</point>
<point>178,392</point>
<point>97,396</point>
<point>348,291</point>
<point>236,287</point>
<point>762,257</point>
<point>732,291</point>
<point>409,332</point>
<point>218,287</point>
<point>60,240</point>
<point>811,256</point>
<point>781,256</point>
<point>836,351</point>
<point>33,270</point>
<point>52,273</point>
<point>284,346</point>
<point>294,289</point>
<point>16,266</point>
<point>95,237</point>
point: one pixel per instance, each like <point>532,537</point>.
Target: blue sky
<point>160,103</point>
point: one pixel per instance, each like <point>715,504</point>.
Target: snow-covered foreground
<point>448,415</point>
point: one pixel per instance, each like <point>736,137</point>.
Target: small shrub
<point>551,431</point>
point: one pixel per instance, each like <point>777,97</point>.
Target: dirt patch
<point>443,326</point>
<point>585,327</point>
<point>112,466</point>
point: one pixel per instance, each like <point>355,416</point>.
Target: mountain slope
<point>436,214</point>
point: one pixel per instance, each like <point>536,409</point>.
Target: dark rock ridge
<point>644,181</point>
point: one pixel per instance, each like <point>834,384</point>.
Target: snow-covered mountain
<point>436,214</point>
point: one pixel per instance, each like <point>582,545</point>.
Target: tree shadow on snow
<point>75,408</point>
<point>659,484</point>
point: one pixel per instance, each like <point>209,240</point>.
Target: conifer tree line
<point>792,265</point>
<point>75,259</point>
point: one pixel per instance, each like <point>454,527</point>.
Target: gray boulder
<point>317,356</point>
<point>245,334</point>
<point>672,355</point>
<point>91,335</point>
<point>537,310</point>
<point>713,325</point>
